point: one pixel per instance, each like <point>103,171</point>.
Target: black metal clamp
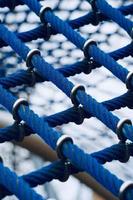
<point>129,81</point>
<point>86,47</point>
<point>59,144</point>
<point>67,165</point>
<point>81,114</point>
<point>21,129</point>
<point>42,13</point>
<point>89,65</point>
<point>119,128</point>
<point>74,92</point>
<point>30,65</point>
<point>29,57</point>
<point>32,74</point>
<point>126,153</point>
<point>16,105</point>
<point>42,18</point>
<point>18,122</point>
<point>124,188</point>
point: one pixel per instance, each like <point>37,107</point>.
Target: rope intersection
<point>72,159</point>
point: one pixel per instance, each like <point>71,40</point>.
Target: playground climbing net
<point>72,159</point>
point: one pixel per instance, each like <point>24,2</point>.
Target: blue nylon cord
<point>77,156</point>
<point>16,185</point>
<point>52,171</point>
<point>51,136</point>
<point>64,28</point>
<point>90,104</point>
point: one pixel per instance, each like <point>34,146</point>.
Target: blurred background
<point>46,99</point>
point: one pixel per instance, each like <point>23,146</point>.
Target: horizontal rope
<point>76,115</point>
<point>89,103</point>
<point>24,77</point>
<point>52,171</point>
<point>51,136</point>
<point>91,163</point>
<point>17,185</point>
<point>41,30</point>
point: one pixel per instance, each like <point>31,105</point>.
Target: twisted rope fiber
<point>77,156</point>
<point>22,77</point>
<point>42,175</point>
<point>51,135</point>
<point>115,15</point>
<point>58,79</point>
<point>116,69</point>
<point>52,171</point>
<point>41,31</point>
<point>16,185</point>
<point>64,28</point>
<point>91,17</point>
<point>26,115</point>
<point>98,55</point>
<point>70,115</point>
<point>90,104</point>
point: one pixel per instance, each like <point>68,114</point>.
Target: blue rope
<point>36,33</point>
<point>90,104</point>
<point>41,31</point>
<point>126,10</point>
<point>80,159</point>
<point>42,175</point>
<point>52,171</point>
<point>98,55</point>
<point>115,15</point>
<point>91,17</point>
<point>77,157</point>
<point>24,77</point>
<point>76,115</point>
<point>16,185</point>
<point>79,41</point>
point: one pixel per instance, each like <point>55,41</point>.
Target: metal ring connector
<point>88,65</point>
<point>73,94</point>
<point>59,144</point>
<point>42,12</point>
<point>86,46</point>
<point>67,166</point>
<point>124,188</point>
<point>80,114</point>
<point>119,128</point>
<point>126,154</point>
<point>15,108</point>
<point>21,129</point>
<point>128,81</point>
<point>33,77</point>
<point>29,57</point>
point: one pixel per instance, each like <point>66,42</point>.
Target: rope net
<point>50,79</point>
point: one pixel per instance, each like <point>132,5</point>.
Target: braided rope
<point>91,163</point>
